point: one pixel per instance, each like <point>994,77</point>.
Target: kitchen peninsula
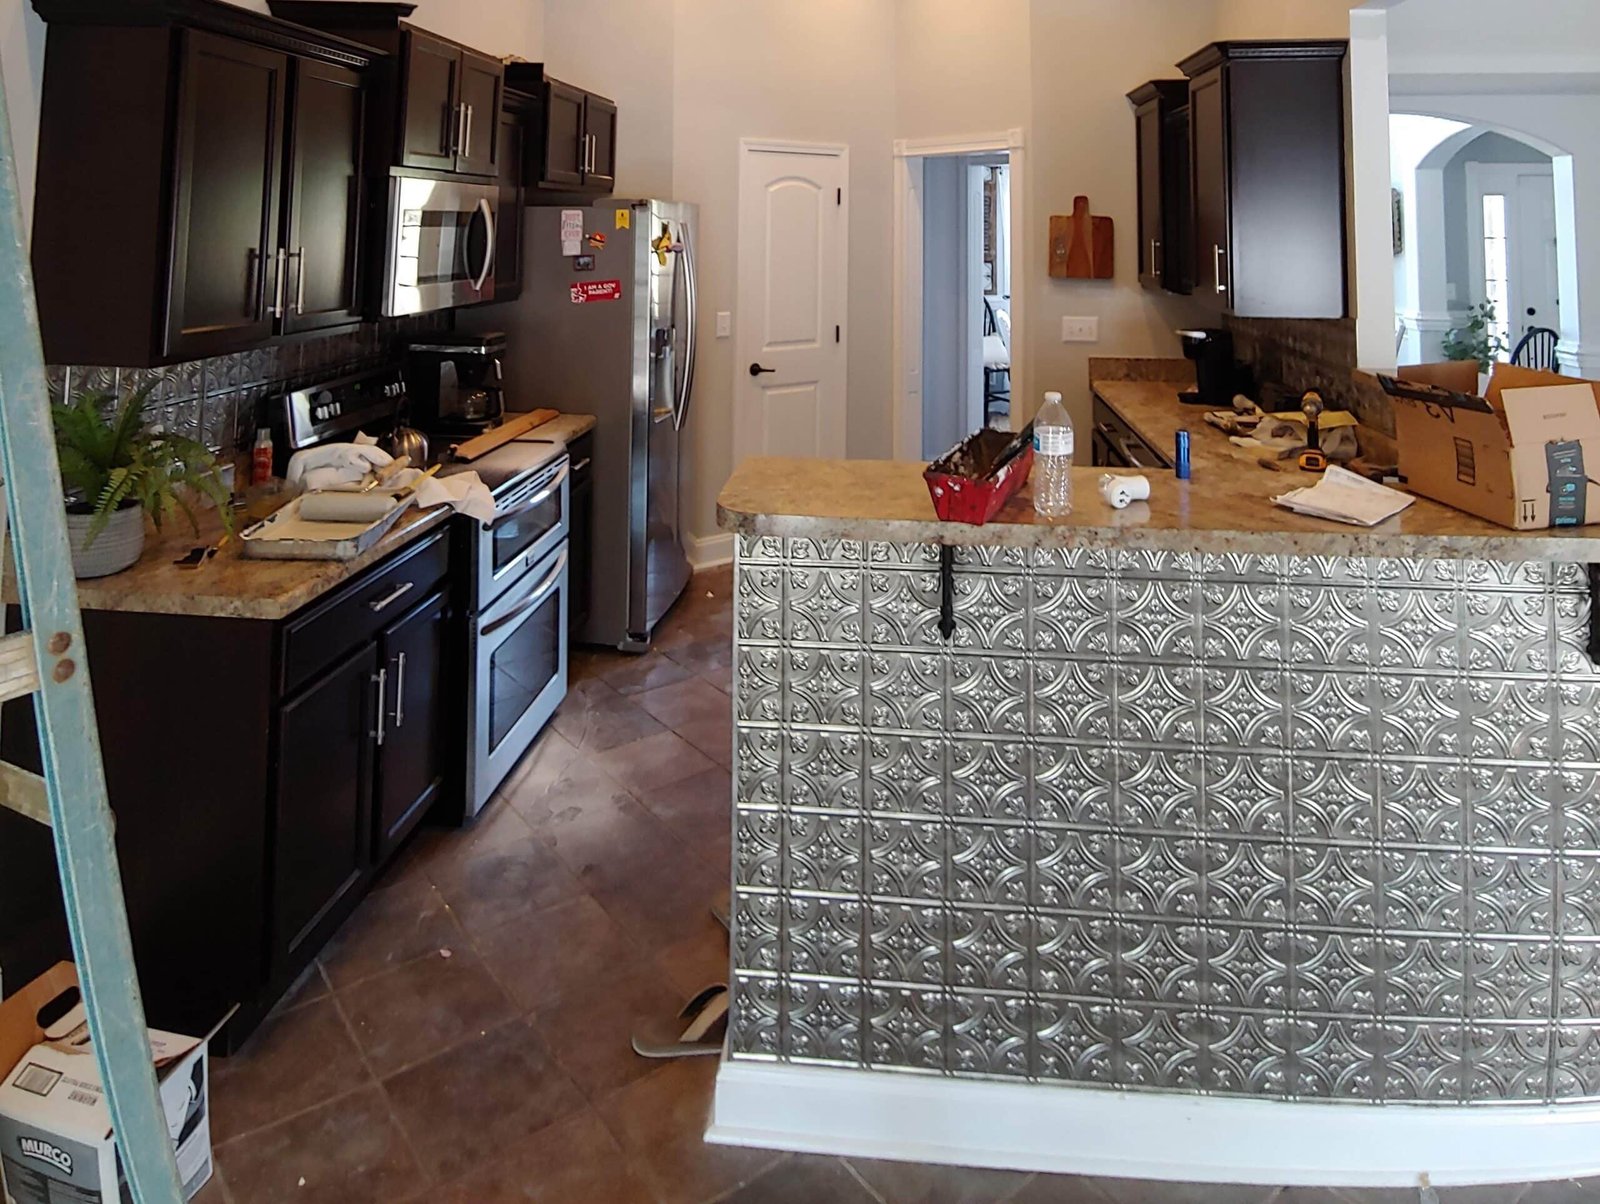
<point>1210,828</point>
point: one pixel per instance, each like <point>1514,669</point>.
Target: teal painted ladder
<point>46,661</point>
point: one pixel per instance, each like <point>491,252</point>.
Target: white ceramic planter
<point>118,546</point>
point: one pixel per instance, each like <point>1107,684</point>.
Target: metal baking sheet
<point>280,537</point>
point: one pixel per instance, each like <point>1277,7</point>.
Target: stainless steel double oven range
<point>511,575</point>
<point>517,598</point>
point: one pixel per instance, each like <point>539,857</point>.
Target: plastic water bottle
<point>1052,459</point>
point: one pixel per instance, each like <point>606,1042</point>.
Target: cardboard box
<point>55,1125</point>
<point>1526,456</point>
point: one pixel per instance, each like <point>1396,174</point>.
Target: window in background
<point>1496,265</point>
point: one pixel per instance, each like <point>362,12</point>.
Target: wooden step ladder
<point>47,661</point>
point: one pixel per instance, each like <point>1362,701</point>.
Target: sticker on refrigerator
<point>583,263</point>
<point>597,241</point>
<point>624,219</point>
<point>585,291</point>
<point>571,232</point>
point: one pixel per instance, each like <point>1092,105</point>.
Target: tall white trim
<point>907,340</point>
<point>709,551</point>
<point>1087,1131</point>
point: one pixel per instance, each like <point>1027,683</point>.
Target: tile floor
<point>464,1039</point>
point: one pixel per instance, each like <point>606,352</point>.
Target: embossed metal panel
<point>1271,826</point>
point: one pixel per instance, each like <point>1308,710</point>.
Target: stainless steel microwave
<point>441,247</point>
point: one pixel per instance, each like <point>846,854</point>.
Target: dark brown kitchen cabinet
<point>229,155</point>
<point>324,243</point>
<point>410,732</point>
<point>430,120</point>
<point>1166,238</point>
<point>573,142</point>
<point>508,254</point>
<point>322,849</point>
<point>1267,138</point>
<point>482,93</point>
<point>226,273</point>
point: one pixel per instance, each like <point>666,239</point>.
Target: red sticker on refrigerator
<point>584,291</point>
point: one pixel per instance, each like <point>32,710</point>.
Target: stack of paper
<point>1344,497</point>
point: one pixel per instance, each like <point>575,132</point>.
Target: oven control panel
<point>338,409</point>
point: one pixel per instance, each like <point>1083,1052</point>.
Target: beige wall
<point>962,68</point>
<point>822,71</point>
<point>1284,18</point>
<point>1086,57</point>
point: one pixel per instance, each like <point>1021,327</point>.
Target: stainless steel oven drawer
<point>359,610</point>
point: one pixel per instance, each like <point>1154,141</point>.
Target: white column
<point>1374,289</point>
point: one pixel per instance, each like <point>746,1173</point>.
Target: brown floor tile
<point>568,947</point>
<point>595,717</point>
<point>1140,1191</point>
<point>590,1032</point>
<point>312,984</point>
<point>574,1161</point>
<point>216,1191</point>
<point>644,766</point>
<point>348,1151</point>
<point>691,701</point>
<point>914,1183</point>
<point>1561,1191</point>
<point>423,1008</point>
<point>697,959</point>
<point>474,1104</point>
<point>661,1121</point>
<point>602,826</point>
<point>660,896</point>
<point>296,1060</point>
<point>804,1179</point>
<point>1064,1189</point>
<point>699,812</point>
<point>543,763</point>
<point>395,925</point>
<point>637,674</point>
<point>1504,1193</point>
<point>436,849</point>
<point>712,737</point>
<point>503,883</point>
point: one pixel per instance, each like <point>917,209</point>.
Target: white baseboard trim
<point>1086,1131</point>
<point>709,551</point>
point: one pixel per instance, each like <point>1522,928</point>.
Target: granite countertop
<point>232,587</point>
<point>1227,507</point>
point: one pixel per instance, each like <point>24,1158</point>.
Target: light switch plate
<point>724,324</point>
<point>1080,330</point>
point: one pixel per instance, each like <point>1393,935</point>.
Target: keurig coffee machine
<point>455,384</point>
<point>1216,373</point>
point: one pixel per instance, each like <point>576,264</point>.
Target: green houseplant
<point>117,469</point>
<point>1477,339</point>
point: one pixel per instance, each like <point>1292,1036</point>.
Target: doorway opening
<point>1478,238</point>
<point>958,328</point>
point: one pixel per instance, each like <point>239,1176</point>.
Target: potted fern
<point>117,469</point>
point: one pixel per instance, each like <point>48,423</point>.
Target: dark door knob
<point>1532,312</point>
<point>758,370</point>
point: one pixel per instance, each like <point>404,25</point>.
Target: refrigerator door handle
<point>691,339</point>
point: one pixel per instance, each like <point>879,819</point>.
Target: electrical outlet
<point>724,324</point>
<point>1080,330</point>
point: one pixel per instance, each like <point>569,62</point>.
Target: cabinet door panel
<point>321,830</point>
<point>429,121</point>
<point>328,128</point>
<point>508,230</point>
<point>229,176</point>
<point>600,124</point>
<point>411,759</point>
<point>1208,111</point>
<point>1150,181</point>
<point>563,147</point>
<point>482,80</point>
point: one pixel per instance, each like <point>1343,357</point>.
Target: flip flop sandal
<point>697,1032</point>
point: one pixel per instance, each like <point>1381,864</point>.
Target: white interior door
<point>1535,263</point>
<point>1511,234</point>
<point>789,374</point>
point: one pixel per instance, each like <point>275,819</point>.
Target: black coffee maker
<point>455,384</point>
<point>1216,372</point>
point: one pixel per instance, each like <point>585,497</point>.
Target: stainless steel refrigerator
<point>610,331</point>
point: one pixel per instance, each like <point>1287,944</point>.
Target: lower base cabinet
<point>261,774</point>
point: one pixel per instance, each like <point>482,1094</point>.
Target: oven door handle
<point>538,499</point>
<point>487,214</point>
<point>544,590</point>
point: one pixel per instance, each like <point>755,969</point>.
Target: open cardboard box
<point>1528,461</point>
<point>55,1125</point>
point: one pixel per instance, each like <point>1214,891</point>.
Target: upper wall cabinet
<point>1267,139</point>
<point>236,152</point>
<point>439,101</point>
<point>573,139</point>
<point>1166,209</point>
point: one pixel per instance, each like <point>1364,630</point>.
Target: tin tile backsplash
<point>220,401</point>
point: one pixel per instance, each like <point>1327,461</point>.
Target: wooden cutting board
<point>512,428</point>
<point>1083,247</point>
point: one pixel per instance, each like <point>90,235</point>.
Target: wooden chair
<point>996,367</point>
<point>1537,350</point>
